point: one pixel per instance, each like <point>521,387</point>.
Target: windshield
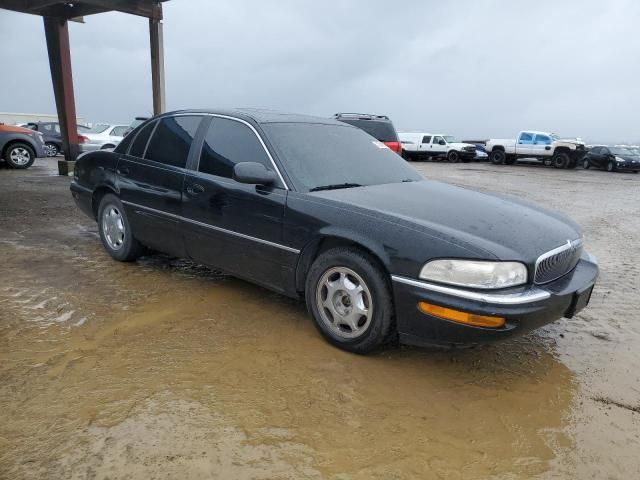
<point>317,155</point>
<point>620,151</point>
<point>98,128</point>
<point>451,139</point>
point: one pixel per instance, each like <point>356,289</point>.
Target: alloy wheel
<point>20,156</point>
<point>113,227</point>
<point>344,302</point>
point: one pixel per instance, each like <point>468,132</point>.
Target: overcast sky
<point>469,68</point>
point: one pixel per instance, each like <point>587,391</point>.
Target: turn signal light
<point>460,317</point>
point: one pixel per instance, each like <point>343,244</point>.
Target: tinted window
<point>382,131</point>
<point>316,155</point>
<point>526,138</point>
<point>172,139</point>
<point>596,150</point>
<point>141,139</point>
<point>229,142</point>
<point>543,140</point>
<point>426,139</point>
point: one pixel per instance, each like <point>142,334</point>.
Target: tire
<point>586,164</point>
<point>332,308</point>
<point>115,230</point>
<point>560,160</point>
<point>453,156</point>
<point>497,157</point>
<point>51,149</point>
<point>611,167</point>
<point>19,155</point>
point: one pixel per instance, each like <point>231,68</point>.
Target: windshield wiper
<point>335,186</point>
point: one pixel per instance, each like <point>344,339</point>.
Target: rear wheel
<point>349,298</point>
<point>497,157</point>
<point>115,230</point>
<point>560,160</point>
<point>19,155</point>
<point>453,156</point>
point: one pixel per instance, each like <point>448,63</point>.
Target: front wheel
<point>19,155</point>
<point>561,160</point>
<point>586,164</point>
<point>453,156</point>
<point>348,295</point>
<point>50,149</point>
<point>115,230</point>
<point>611,167</point>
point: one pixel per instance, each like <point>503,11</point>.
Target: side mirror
<point>442,142</point>
<point>253,173</point>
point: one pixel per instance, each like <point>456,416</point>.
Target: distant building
<point>20,118</point>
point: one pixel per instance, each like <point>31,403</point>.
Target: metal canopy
<point>56,13</point>
<point>80,8</point>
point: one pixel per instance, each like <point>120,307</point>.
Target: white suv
<point>421,145</point>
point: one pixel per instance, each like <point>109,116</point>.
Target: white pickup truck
<point>420,145</point>
<point>545,147</point>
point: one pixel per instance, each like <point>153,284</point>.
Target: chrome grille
<point>558,262</point>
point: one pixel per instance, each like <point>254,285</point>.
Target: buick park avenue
<point>319,210</point>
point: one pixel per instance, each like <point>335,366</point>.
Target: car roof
<point>262,116</point>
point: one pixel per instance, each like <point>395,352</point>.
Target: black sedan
<point>612,159</point>
<point>314,208</point>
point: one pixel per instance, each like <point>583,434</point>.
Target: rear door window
<point>140,143</point>
<point>526,138</point>
<point>171,140</point>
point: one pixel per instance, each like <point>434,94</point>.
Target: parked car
<point>420,146</point>
<point>20,146</point>
<point>53,144</point>
<point>612,159</point>
<point>481,154</point>
<point>545,147</point>
<point>313,208</point>
<point>378,126</point>
<point>103,136</point>
<point>134,123</point>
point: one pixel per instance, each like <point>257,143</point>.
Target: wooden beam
<point>157,66</point>
<point>77,8</point>
<point>57,34</point>
<point>143,8</point>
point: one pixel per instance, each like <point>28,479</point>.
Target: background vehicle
<point>420,145</point>
<point>20,146</point>
<point>612,159</point>
<point>545,147</point>
<point>134,123</point>
<point>103,136</point>
<point>52,136</point>
<point>378,126</point>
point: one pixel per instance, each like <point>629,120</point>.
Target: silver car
<point>102,136</point>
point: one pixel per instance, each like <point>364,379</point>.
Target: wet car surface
<point>165,368</point>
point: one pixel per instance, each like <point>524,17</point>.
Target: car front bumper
<point>524,308</point>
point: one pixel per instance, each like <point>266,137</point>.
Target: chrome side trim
<point>218,229</point>
<point>529,296</point>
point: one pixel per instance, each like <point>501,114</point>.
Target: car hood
<point>460,145</point>
<point>488,225</point>
<point>629,158</point>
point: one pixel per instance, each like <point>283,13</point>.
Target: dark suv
<point>378,126</point>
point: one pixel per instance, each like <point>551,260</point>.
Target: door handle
<point>195,189</point>
<point>124,171</point>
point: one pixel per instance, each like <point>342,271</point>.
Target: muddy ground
<point>165,369</point>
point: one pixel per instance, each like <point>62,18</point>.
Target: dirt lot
<point>165,369</point>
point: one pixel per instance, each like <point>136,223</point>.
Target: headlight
<point>475,273</point>
<point>620,160</point>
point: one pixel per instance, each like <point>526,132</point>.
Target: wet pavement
<point>166,369</point>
